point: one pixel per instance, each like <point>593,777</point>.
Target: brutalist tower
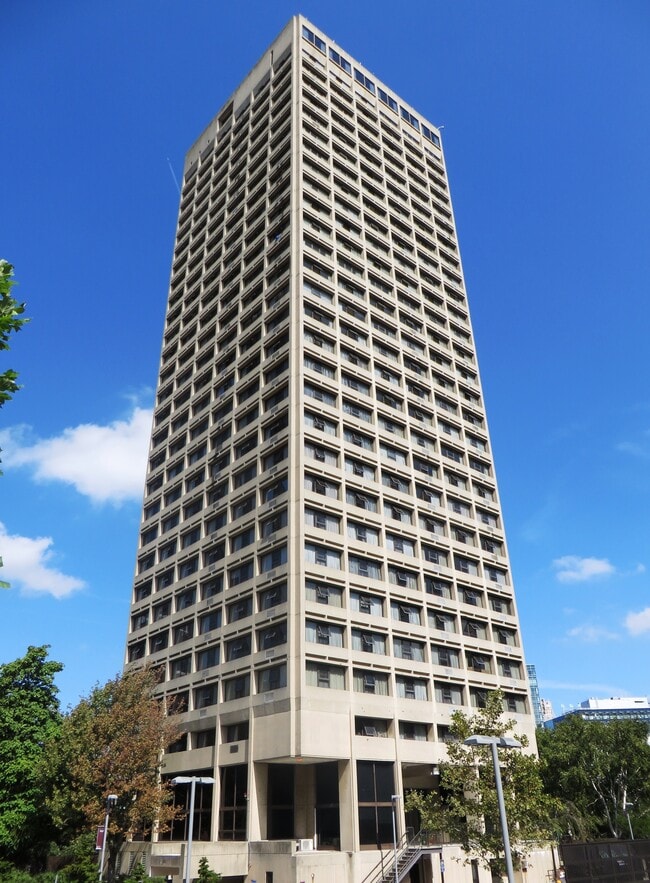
<point>322,575</point>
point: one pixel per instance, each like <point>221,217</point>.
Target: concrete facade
<point>322,576</point>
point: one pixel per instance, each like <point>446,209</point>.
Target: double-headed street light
<point>192,781</point>
<point>496,742</point>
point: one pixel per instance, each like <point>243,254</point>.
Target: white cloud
<point>638,623</point>
<point>27,564</point>
<point>105,463</point>
<point>591,634</point>
<point>573,569</point>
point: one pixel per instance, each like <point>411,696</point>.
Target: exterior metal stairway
<point>409,850</point>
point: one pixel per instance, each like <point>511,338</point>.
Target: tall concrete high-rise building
<point>322,575</point>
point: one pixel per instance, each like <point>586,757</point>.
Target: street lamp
<point>192,781</point>
<point>496,742</point>
<point>393,799</point>
<point>111,800</point>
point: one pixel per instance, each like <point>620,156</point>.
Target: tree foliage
<point>111,743</point>
<point>206,874</point>
<point>11,321</point>
<point>466,807</point>
<point>592,767</point>
<point>29,719</point>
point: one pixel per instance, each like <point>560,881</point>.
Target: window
<point>413,731</point>
<point>322,520</point>
<point>323,556</point>
<point>315,421</point>
<point>276,489</point>
<point>505,636</point>
<point>207,658</point>
<point>433,555</point>
<point>411,688</point>
<point>238,647</point>
<point>324,594</point>
<point>448,694</point>
<point>446,656</point>
<point>271,678</point>
<point>496,576</point>
<point>242,539</point>
<point>236,688</point>
<point>323,633</point>
<point>366,567</point>
<point>395,543</point>
<point>341,61</point>
<point>240,609</point>
<point>363,603</point>
<point>185,599</point>
<point>276,456</point>
<point>439,587</point>
<point>235,732</point>
<point>442,622</point>
<point>321,486</point>
<point>357,411</point>
<point>329,677</point>
<point>269,598</point>
<point>363,533</point>
<point>368,642</point>
<point>405,649</point>
<point>209,622</point>
<point>370,682</point>
<point>479,662</point>
<point>271,525</point>
<point>466,565</point>
<point>187,568</point>
<point>272,636</point>
<point>474,629</point>
<point>321,454</point>
<point>359,469</point>
<point>184,632</point>
<point>274,558</point>
<point>405,613</point>
<point>363,501</point>
<point>500,605</point>
<point>407,579</point>
<point>158,642</point>
<point>211,587</point>
<point>389,479</point>
<point>394,454</point>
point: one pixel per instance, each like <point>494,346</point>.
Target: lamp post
<point>192,782</point>
<point>111,800</point>
<point>496,742</point>
<point>393,799</point>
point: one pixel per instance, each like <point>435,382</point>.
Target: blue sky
<point>546,132</point>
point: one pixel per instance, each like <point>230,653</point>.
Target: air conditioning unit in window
<point>306,845</point>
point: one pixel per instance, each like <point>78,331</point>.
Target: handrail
<point>387,865</point>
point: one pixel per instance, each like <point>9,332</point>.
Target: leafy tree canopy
<point>29,717</point>
<point>206,874</point>
<point>592,767</point>
<point>466,807</point>
<point>11,320</point>
<point>111,743</point>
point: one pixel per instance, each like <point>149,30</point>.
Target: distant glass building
<point>536,702</point>
<point>615,708</point>
<point>322,576</point>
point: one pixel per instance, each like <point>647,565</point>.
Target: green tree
<point>206,874</point>
<point>29,719</point>
<point>11,321</point>
<point>466,807</point>
<point>112,743</point>
<point>592,767</point>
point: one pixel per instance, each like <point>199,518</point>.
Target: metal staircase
<point>409,850</point>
